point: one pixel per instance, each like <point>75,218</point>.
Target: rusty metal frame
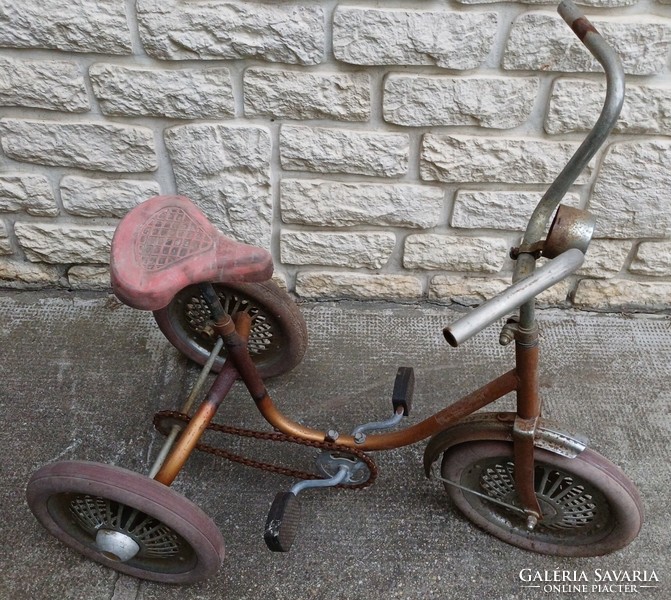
<point>523,380</point>
<point>203,416</point>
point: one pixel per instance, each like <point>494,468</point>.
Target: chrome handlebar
<point>529,282</point>
<point>524,290</point>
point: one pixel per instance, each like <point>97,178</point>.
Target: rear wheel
<point>589,505</point>
<point>278,338</point>
<point>126,521</point>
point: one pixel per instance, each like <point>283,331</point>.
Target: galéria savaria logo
<point>597,581</point>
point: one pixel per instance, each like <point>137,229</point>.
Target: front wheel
<point>278,338</point>
<point>589,505</point>
<point>126,521</point>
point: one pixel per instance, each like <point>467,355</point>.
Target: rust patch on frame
<point>581,27</point>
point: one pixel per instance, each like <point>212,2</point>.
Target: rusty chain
<point>163,421</point>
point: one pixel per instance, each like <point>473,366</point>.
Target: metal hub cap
<point>122,533</point>
<point>116,545</point>
<point>329,463</point>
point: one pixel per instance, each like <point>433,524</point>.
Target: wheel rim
<point>160,548</point>
<point>574,511</point>
<point>191,314</point>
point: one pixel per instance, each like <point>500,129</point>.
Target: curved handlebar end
<point>610,112</point>
<point>575,19</point>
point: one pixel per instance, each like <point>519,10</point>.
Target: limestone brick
<point>454,253</point>
<point>5,242</point>
<point>352,250</point>
<point>101,197</point>
<point>58,243</point>
<point>179,94</point>
<point>652,258</point>
<point>85,277</point>
<point>493,102</point>
<point>337,204</point>
<point>329,150</point>
<point>642,42</point>
<point>226,171</point>
<point>467,159</point>
<point>623,295</point>
<point>489,209</point>
<point>93,146</point>
<point>19,274</point>
<point>300,95</point>
<point>605,258</point>
<point>74,26</point>
<point>218,30</point>
<point>575,105</point>
<point>632,193</point>
<point>27,192</point>
<point>47,84</point>
<point>382,36</point>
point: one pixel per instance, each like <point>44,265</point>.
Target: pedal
<point>404,387</point>
<point>282,523</point>
<point>285,511</point>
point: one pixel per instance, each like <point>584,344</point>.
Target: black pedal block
<point>283,522</point>
<point>404,387</point>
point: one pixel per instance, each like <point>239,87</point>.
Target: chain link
<point>163,420</point>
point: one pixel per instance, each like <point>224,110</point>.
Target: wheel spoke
<point>555,486</point>
<point>129,523</point>
<point>543,482</point>
<point>119,514</point>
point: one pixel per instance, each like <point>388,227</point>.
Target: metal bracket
<point>524,435</point>
<point>525,428</point>
<point>509,331</point>
<point>535,249</point>
<point>492,426</point>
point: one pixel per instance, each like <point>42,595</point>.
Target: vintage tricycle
<point>516,475</point>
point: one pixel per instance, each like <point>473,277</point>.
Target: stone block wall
<point>381,150</point>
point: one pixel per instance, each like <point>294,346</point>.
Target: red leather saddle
<point>167,243</point>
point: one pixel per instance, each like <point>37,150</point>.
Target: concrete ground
<point>82,377</point>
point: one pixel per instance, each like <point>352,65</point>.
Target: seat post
<point>223,321</point>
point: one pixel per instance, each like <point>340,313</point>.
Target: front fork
<point>527,417</point>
